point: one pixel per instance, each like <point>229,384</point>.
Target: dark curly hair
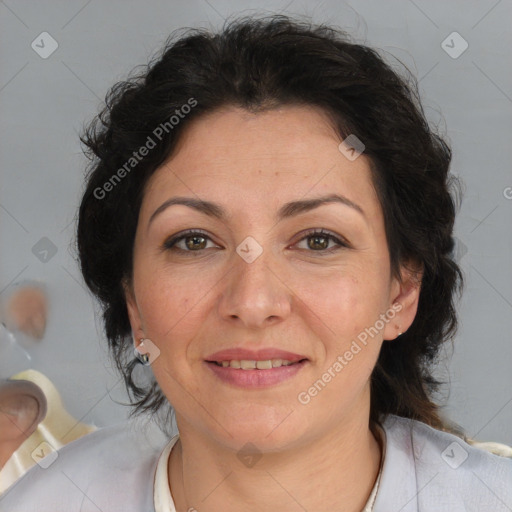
<point>258,64</point>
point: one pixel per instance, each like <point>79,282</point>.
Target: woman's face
<point>256,278</point>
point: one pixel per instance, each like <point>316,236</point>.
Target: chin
<point>267,433</point>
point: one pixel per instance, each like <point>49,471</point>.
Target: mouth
<point>252,364</point>
<point>255,368</point>
<point>266,356</point>
<point>255,374</point>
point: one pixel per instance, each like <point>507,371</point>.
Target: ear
<point>133,311</point>
<point>403,300</point>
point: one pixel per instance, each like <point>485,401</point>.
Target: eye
<point>188,241</point>
<point>318,240</point>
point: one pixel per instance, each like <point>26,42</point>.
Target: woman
<point>268,225</point>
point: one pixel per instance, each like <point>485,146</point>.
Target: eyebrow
<point>287,210</point>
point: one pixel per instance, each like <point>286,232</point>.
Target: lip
<point>262,354</point>
<point>255,378</point>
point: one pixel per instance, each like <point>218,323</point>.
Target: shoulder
<point>446,473</point>
<point>110,469</point>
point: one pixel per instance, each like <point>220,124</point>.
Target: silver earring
<point>142,357</point>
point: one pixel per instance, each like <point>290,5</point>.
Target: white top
<point>162,492</point>
<point>115,469</point>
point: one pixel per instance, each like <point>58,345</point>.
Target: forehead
<point>283,154</point>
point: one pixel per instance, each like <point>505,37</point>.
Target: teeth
<point>246,364</point>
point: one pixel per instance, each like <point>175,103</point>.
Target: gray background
<point>44,103</point>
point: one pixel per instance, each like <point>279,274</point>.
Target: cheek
<point>348,304</point>
<point>345,299</point>
<point>177,303</point>
<point>167,303</point>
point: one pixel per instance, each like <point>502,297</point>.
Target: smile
<point>255,374</point>
<point>247,364</point>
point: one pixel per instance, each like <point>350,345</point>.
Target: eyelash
<point>171,242</point>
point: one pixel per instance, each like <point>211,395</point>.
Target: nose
<point>255,294</point>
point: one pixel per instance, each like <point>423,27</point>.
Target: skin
<point>321,456</point>
<point>27,311</point>
<point>17,423</point>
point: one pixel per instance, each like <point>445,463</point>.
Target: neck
<point>334,472</point>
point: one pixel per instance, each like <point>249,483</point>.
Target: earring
<point>142,357</point>
<point>400,332</point>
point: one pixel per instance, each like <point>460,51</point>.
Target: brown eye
<point>190,241</point>
<point>195,242</point>
<point>319,241</point>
